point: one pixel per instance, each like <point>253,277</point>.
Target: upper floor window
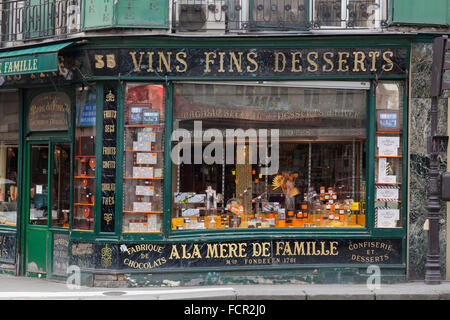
<point>348,13</point>
<point>31,19</point>
<point>232,15</point>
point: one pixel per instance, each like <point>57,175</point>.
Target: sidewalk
<point>20,288</point>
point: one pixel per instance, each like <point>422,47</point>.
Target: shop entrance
<point>46,200</point>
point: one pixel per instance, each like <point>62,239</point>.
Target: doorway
<point>46,200</point>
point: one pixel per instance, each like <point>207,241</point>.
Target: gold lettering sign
<point>109,201</point>
<point>19,66</point>
<point>251,61</point>
<point>102,61</point>
<point>110,97</point>
<point>370,251</point>
<point>109,114</point>
<point>108,187</point>
<point>243,253</point>
<point>49,112</point>
<point>108,164</point>
<point>109,150</point>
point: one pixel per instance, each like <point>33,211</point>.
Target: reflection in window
<point>61,185</point>
<point>143,158</point>
<point>318,166</point>
<point>9,137</point>
<point>84,165</point>
<point>389,162</point>
<point>279,13</point>
<point>38,185</point>
<point>348,13</point>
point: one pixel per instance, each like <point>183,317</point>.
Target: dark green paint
<point>99,14</point>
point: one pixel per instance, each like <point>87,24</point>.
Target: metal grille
<point>236,15</point>
<point>32,19</point>
<point>349,14</point>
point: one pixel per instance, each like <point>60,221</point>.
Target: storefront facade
<point>208,161</point>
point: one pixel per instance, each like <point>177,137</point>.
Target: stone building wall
<point>419,160</point>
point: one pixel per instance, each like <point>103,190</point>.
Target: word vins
<point>257,249</point>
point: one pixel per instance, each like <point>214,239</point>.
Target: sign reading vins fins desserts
<point>226,62</point>
<point>108,178</point>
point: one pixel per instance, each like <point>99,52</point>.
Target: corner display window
<point>9,138</point>
<point>268,156</point>
<point>143,158</point>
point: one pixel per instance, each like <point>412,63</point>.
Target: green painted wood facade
<point>99,14</point>
<point>170,236</point>
<point>418,12</point>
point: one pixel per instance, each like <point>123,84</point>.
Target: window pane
<point>61,185</point>
<point>347,13</point>
<point>38,185</point>
<point>389,155</point>
<point>316,173</point>
<point>84,169</point>
<point>279,13</point>
<point>9,137</point>
<point>363,13</point>
<point>328,12</point>
<point>143,158</point>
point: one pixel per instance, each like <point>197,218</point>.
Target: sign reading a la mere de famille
<point>242,253</point>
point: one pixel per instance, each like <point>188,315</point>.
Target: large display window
<point>9,141</point>
<point>264,155</point>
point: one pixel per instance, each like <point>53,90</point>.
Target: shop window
<point>61,185</point>
<point>349,13</point>
<point>9,140</point>
<point>268,155</point>
<point>143,158</point>
<point>389,155</point>
<point>84,161</point>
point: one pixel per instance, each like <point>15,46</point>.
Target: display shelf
<point>132,178</point>
<point>143,159</point>
<point>388,158</point>
<point>152,151</point>
<point>388,132</point>
<point>128,232</point>
<point>393,183</point>
<point>84,190</point>
<point>143,126</point>
<point>377,156</point>
<point>142,212</point>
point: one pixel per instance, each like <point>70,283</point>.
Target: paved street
<point>21,288</point>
